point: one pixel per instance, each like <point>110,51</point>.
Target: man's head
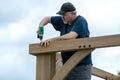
<point>66,7</point>
<point>68,12</point>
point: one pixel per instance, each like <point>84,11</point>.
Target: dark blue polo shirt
<point>79,26</point>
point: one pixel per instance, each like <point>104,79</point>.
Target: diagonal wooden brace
<point>71,63</point>
<point>104,74</point>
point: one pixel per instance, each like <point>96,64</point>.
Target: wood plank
<point>76,44</point>
<point>71,63</point>
<point>104,74</point>
<point>45,68</point>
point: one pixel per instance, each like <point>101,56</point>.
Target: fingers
<point>37,31</point>
<point>45,43</point>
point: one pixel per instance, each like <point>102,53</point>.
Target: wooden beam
<point>104,74</point>
<point>71,63</point>
<point>76,44</point>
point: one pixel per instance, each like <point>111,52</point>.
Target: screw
<point>84,46</point>
<point>79,46</point>
<point>89,45</point>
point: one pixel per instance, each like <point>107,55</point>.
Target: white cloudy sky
<point>19,20</point>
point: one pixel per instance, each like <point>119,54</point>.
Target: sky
<point>19,20</point>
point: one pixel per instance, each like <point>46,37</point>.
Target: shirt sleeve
<point>81,28</point>
<point>57,22</point>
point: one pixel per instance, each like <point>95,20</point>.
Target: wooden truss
<point>46,57</point>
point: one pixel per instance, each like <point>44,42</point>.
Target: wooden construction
<point>46,60</point>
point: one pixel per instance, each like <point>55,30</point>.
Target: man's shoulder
<point>79,17</point>
<point>56,17</point>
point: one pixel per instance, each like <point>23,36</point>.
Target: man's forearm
<point>71,35</point>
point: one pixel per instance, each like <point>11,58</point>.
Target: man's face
<point>69,17</point>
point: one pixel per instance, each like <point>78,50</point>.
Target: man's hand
<point>45,43</point>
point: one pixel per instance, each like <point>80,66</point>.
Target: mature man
<point>71,26</point>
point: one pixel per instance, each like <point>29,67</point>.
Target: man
<point>70,26</point>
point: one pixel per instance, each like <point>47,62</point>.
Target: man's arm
<point>45,21</point>
<point>70,35</point>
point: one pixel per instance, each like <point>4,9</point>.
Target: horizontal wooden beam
<point>76,44</point>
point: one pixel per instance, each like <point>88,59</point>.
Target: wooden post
<point>45,68</point>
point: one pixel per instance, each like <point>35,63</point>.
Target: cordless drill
<point>40,33</point>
